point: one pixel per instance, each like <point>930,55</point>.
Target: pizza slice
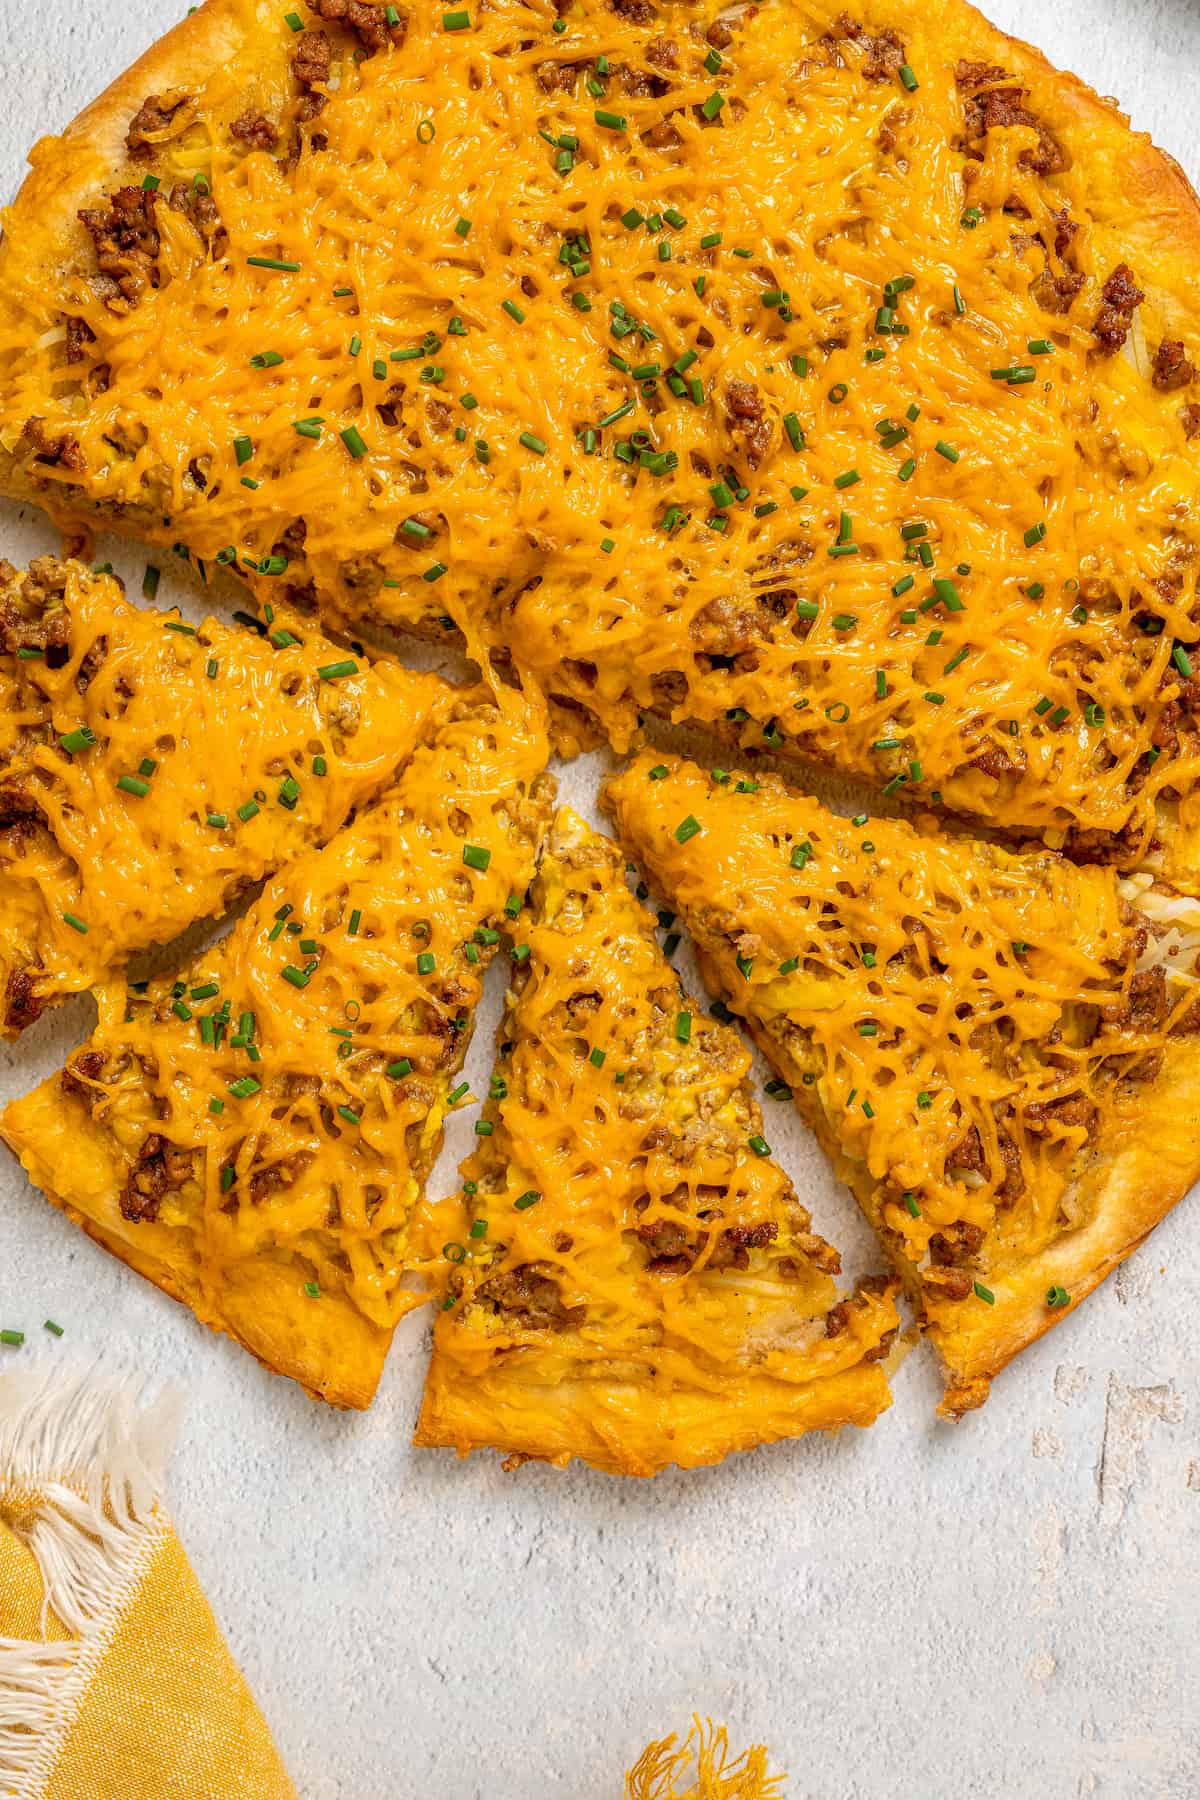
<point>151,770</point>
<point>630,1277</point>
<point>437,317</point>
<point>254,1136</point>
<point>996,1050</point>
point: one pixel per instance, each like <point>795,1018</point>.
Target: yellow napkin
<point>115,1683</point>
<point>702,1768</point>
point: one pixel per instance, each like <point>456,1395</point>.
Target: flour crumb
<point>1047,1444</point>
<point>1069,1384</point>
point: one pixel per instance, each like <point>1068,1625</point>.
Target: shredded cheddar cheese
<point>255,1135</point>
<point>632,1279</point>
<point>977,1038</point>
<point>151,771</point>
<point>765,375</point>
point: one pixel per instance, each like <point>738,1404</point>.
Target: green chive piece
<point>50,1326</point>
<point>272,262</point>
<point>353,440</point>
<point>334,671</point>
<point>476,857</point>
<point>687,828</point>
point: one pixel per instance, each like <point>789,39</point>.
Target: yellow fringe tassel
<point>702,1763</point>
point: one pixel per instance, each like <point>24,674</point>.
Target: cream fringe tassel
<point>81,1462</point>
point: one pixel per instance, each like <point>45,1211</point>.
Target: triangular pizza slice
<point>993,1048</point>
<point>254,1136</point>
<point>630,1277</point>
<point>151,771</point>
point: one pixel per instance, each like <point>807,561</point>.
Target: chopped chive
<point>334,671</point>
<point>272,262</point>
<point>687,828</point>
<point>353,440</point>
<point>476,857</point>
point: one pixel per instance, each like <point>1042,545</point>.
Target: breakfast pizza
<point>631,1278</point>
<point>997,1050</point>
<point>254,1135</point>
<point>152,770</point>
<point>825,376</point>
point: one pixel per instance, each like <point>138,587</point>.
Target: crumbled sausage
<point>152,118</point>
<point>988,107</point>
<point>883,54</point>
<point>161,1167</point>
<point>1189,418</point>
<point>59,450</point>
<point>1144,1007</point>
<point>1172,368</point>
<point>967,1153</point>
<point>636,12</point>
<point>255,130</point>
<point>1055,289</point>
<point>20,814</point>
<point>1074,1112</point>
<point>957,1244</point>
<point>531,1298</point>
<point>747,417</point>
<point>21,1004</point>
<point>87,1067</point>
<point>1119,299</point>
<point>126,238</point>
<point>369,23</point>
<point>79,334</point>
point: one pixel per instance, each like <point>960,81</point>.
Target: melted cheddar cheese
<point>151,770</point>
<point>633,1280</point>
<point>766,374</point>
<point>255,1135</point>
<point>987,1044</point>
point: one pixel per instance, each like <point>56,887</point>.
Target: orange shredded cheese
<point>153,770</point>
<point>255,1135</point>
<point>976,1037</point>
<point>660,384</point>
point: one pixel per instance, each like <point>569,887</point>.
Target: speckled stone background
<point>1006,1608</point>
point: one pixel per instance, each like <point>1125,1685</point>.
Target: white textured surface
<point>1003,1608</point>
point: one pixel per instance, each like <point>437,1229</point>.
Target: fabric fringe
<point>703,1762</point>
<point>81,1465</point>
